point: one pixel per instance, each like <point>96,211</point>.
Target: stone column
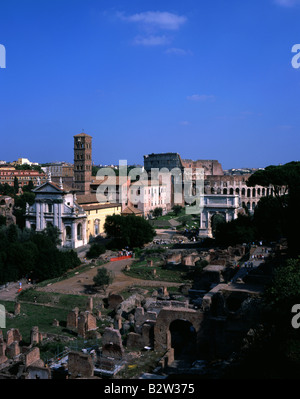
<point>38,216</point>
<point>74,236</point>
<point>42,210</point>
<point>55,214</point>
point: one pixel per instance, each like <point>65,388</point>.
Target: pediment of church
<point>48,187</point>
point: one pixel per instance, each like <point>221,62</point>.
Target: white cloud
<point>287,3</point>
<point>201,97</point>
<point>184,123</point>
<point>156,20</point>
<point>178,51</point>
<point>151,40</point>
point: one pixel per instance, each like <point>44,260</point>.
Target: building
<point>96,213</point>
<point>236,185</point>
<point>25,161</point>
<point>111,190</point>
<point>148,195</point>
<point>217,187</point>
<point>82,163</point>
<point>217,204</point>
<point>58,207</point>
<point>169,160</point>
<point>60,170</point>
<point>8,174</point>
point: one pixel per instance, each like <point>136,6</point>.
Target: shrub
<point>95,250</point>
<point>102,278</point>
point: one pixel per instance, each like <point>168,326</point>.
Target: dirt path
<point>82,283</point>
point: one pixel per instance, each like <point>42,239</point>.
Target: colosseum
<point>225,192</point>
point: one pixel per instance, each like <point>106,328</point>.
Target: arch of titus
<point>226,205</point>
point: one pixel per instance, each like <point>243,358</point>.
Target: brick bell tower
<point>82,163</point>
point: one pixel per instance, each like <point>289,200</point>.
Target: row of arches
<point>244,192</point>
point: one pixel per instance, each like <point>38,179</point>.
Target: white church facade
<point>56,206</point>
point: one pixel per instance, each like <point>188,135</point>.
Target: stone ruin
<point>84,322</point>
<point>30,365</point>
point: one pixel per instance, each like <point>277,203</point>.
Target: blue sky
<point>207,79</point>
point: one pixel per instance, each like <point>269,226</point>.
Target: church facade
<point>55,206</point>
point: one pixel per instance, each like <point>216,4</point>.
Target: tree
<point>28,187</point>
<point>177,209</point>
<point>267,220</point>
<point>102,278</point>
<point>20,206</point>
<point>285,181</point>
<point>35,254</point>
<point>128,231</point>
<point>6,189</point>
<point>16,185</point>
<point>215,221</point>
<point>285,286</point>
<point>95,250</point>
<point>237,231</point>
<point>157,212</point>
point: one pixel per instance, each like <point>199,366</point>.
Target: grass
<point>35,315</point>
<point>140,270</point>
<point>64,301</point>
<point>127,293</point>
<point>41,308</point>
<point>145,363</point>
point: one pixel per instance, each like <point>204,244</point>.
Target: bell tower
<point>82,163</point>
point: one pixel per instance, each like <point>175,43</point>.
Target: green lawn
<point>140,270</point>
<point>43,308</point>
<point>35,315</point>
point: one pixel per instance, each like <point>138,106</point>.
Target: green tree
<point>177,209</point>
<point>157,212</point>
<point>267,219</point>
<point>102,278</point>
<point>237,231</point>
<point>132,231</point>
<point>6,189</point>
<point>215,221</point>
<point>95,250</point>
<point>20,206</point>
<point>28,187</point>
<point>16,185</point>
<point>285,182</point>
<point>284,290</point>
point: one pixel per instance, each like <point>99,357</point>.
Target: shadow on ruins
<point>188,330</point>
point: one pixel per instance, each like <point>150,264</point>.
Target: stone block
<point>32,356</point>
<point>112,343</point>
<point>80,365</point>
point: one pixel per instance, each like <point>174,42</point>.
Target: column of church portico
<point>59,215</point>
<point>84,231</point>
<point>74,235</point>
<point>37,216</point>
<point>55,213</point>
<point>43,209</point>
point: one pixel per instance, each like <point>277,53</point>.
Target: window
<point>68,233</point>
<point>79,232</point>
<point>96,227</point>
<point>50,208</point>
